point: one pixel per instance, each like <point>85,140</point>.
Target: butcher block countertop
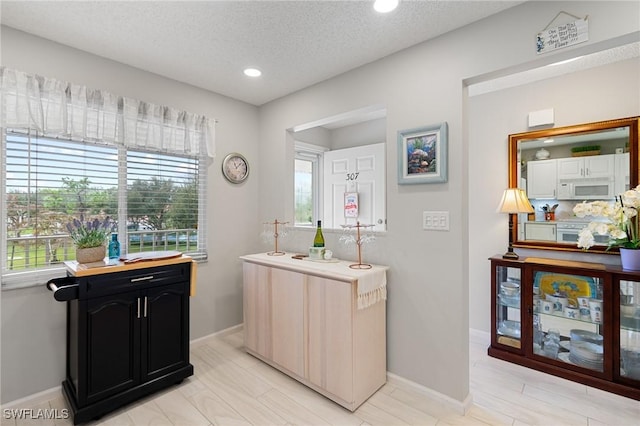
<point>109,266</point>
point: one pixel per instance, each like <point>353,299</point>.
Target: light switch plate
<point>435,220</point>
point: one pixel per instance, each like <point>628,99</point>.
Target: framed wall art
<point>422,154</point>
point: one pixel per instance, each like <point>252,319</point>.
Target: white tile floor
<point>232,388</point>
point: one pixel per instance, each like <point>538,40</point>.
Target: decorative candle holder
<point>359,239</point>
<point>271,231</point>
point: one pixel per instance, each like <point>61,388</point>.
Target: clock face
<point>235,168</point>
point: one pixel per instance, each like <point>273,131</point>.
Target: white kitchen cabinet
<point>540,231</point>
<point>622,178</point>
<point>542,179</point>
<point>302,317</point>
<point>594,166</point>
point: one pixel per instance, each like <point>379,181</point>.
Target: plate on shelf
<point>591,365</point>
<point>573,286</point>
<point>564,357</point>
<point>509,328</point>
<point>510,301</point>
<point>565,344</point>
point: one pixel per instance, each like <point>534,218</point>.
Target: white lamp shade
<point>514,200</point>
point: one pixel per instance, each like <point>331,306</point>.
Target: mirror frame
<point>514,139</point>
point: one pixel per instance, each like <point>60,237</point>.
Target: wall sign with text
<point>565,35</point>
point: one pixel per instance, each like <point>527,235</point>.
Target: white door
<point>361,170</point>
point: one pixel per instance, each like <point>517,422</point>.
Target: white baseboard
<point>34,399</point>
<point>460,407</point>
<point>221,333</point>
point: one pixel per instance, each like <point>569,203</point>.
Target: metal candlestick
<point>275,224</point>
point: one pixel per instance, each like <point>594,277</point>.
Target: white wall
<point>601,93</point>
<point>33,323</point>
<point>367,133</point>
<point>428,306</point>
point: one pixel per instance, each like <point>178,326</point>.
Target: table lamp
<point>514,201</point>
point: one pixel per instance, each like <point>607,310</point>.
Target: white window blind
<point>164,193</point>
<point>156,199</point>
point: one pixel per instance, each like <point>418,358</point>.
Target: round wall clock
<point>235,168</point>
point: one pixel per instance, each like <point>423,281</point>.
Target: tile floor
<point>231,387</point>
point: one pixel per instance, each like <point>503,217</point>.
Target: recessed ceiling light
<point>384,6</point>
<point>252,72</point>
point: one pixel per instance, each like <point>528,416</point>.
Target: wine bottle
<point>114,247</point>
<point>318,241</point>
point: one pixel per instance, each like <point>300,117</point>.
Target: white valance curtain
<point>61,109</point>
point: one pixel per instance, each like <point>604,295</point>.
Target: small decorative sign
<point>562,36</point>
<point>351,204</point>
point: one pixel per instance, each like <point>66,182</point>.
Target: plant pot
<point>630,259</point>
<point>90,254</point>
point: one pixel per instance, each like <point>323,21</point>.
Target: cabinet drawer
<point>103,284</point>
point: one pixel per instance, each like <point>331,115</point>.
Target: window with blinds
<point>156,199</point>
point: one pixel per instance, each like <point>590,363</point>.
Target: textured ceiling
<point>208,43</point>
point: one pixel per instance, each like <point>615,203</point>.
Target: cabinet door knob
<point>138,307</point>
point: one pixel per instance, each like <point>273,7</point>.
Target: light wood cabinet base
<point>349,405</point>
<point>308,325</point>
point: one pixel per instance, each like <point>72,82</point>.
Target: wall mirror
<point>339,170</point>
<point>563,166</point>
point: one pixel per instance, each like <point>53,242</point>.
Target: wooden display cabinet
<point>576,320</point>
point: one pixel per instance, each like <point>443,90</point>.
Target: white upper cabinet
<point>542,179</point>
<point>622,181</point>
<point>595,166</point>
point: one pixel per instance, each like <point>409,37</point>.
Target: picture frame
<point>422,154</point>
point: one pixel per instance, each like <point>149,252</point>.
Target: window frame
<point>33,277</point>
<point>314,154</point>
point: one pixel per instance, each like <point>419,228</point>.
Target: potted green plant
<point>585,150</point>
<point>90,238</point>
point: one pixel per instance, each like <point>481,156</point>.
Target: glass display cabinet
<point>576,320</point>
<point>629,343</point>
<point>507,316</point>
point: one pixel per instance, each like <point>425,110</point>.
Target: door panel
<point>287,293</point>
<point>331,336</point>
<point>257,308</point>
<point>113,332</point>
<point>165,310</point>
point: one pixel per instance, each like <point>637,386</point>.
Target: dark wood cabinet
<point>576,320</point>
<point>127,336</point>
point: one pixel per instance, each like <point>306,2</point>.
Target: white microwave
<point>586,189</point>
